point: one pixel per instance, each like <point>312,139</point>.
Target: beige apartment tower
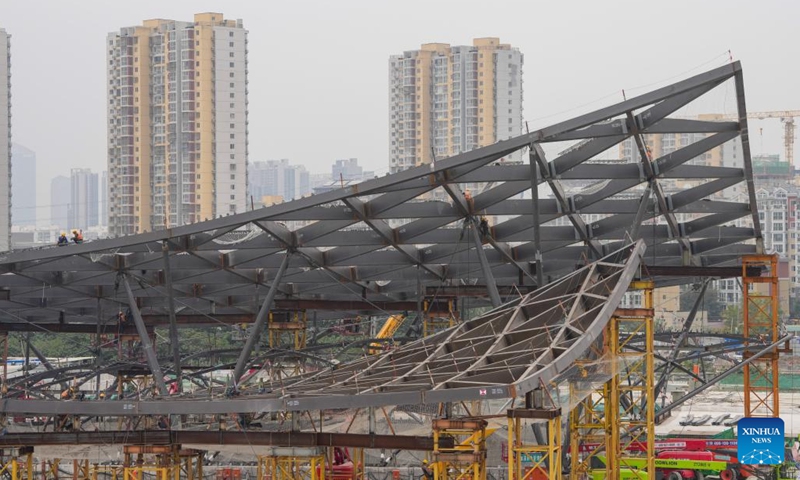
<point>447,100</point>
<point>177,123</point>
<point>5,141</point>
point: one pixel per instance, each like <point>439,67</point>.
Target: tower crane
<point>787,118</point>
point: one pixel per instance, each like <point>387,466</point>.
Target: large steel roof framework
<point>381,244</point>
<point>347,250</point>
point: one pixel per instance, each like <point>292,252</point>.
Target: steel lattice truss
<point>382,244</point>
<point>509,350</point>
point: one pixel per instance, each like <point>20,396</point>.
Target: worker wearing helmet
<point>62,239</point>
<point>77,236</point>
<point>426,470</point>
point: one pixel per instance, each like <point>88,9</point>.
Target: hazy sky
<point>318,70</point>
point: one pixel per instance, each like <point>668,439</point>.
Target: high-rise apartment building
<point>84,205</point>
<point>177,122</point>
<point>23,188</point>
<point>103,194</point>
<point>278,178</point>
<point>446,100</point>
<point>347,169</point>
<point>5,141</point>
<point>60,198</point>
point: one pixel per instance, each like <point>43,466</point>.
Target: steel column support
<point>760,319</point>
<point>545,458</point>
<point>491,285</point>
<point>173,323</point>
<point>587,433</point>
<point>147,346</point>
<point>261,320</point>
<point>537,234</point>
<point>633,378</point>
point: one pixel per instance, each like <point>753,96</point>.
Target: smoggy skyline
<point>318,86</point>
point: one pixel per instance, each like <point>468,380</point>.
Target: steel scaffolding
<point>760,320</point>
<point>465,457</point>
<point>631,406</point>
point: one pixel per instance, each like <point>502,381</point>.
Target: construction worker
<point>62,239</point>
<point>484,227</point>
<point>77,236</point>
<point>426,470</point>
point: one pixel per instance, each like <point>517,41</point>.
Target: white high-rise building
<point>84,202</point>
<point>5,141</point>
<point>177,122</point>
<point>277,178</point>
<point>447,100</point>
<point>23,188</point>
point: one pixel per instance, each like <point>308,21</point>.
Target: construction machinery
<point>386,332</point>
<point>787,118</point>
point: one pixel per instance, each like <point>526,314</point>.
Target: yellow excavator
<point>387,331</point>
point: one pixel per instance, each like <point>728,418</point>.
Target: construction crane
<point>787,118</point>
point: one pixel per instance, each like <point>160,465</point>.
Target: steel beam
<point>147,345</point>
<point>491,285</point>
<point>173,323</point>
<point>537,236</point>
<point>184,437</point>
<point>687,327</point>
<point>713,381</point>
<point>261,320</point>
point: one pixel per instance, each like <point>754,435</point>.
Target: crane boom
<point>787,117</point>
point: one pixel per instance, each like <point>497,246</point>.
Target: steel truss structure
<point>386,244</point>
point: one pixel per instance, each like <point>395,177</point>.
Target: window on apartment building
<point>231,54</point>
<point>230,34</point>
<point>233,115</point>
<point>233,146</point>
<point>232,125</point>
<point>230,44</point>
<point>233,187</point>
<point>231,84</point>
<point>233,197</point>
<point>231,74</point>
<point>233,165</point>
<point>233,177</point>
<point>233,135</point>
<point>197,64</point>
<point>231,64</point>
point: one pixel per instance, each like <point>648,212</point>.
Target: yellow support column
<point>630,400</point>
<point>760,320</point>
<point>543,460</point>
<point>467,458</point>
<point>587,432</point>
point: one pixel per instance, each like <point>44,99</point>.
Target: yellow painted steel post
<point>612,403</point>
<point>760,319</point>
<point>650,402</point>
<point>14,469</point>
<point>510,449</point>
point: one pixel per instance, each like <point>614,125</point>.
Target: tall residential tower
<point>446,100</point>
<point>5,141</point>
<point>177,122</point>
<point>23,188</point>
